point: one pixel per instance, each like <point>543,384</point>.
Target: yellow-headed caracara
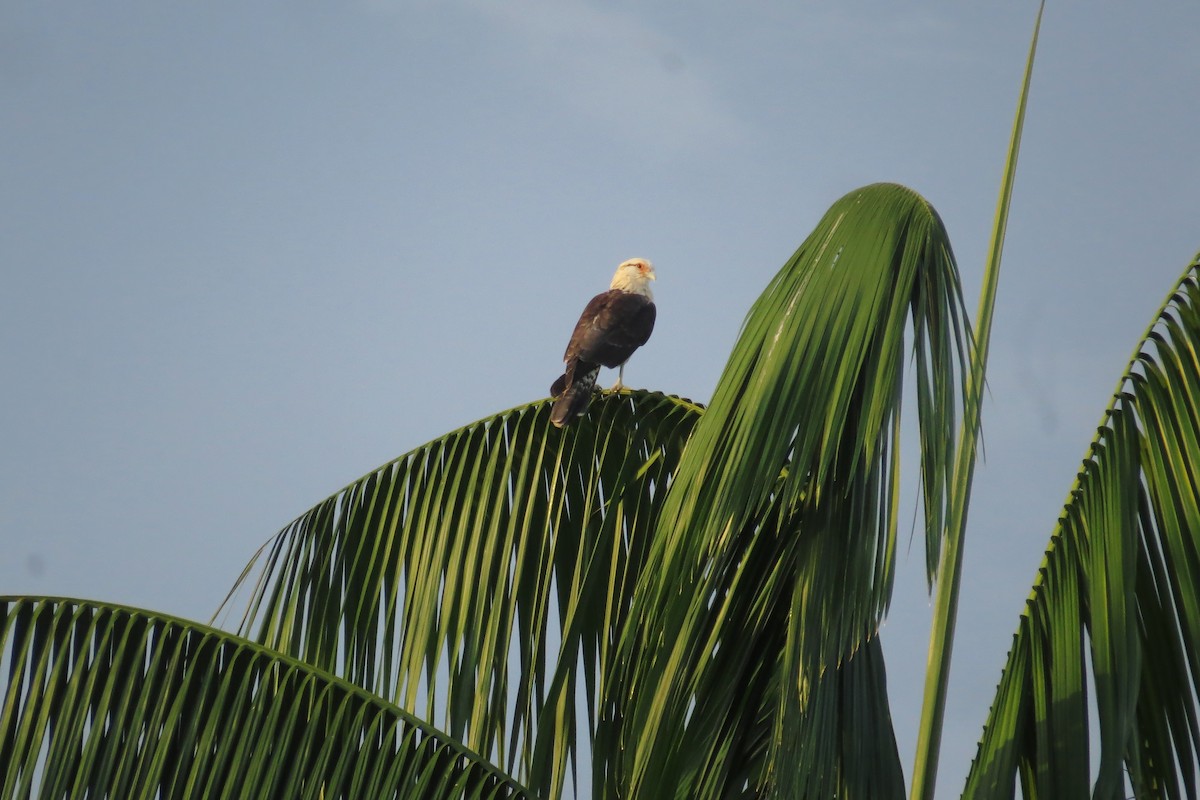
<point>614,324</point>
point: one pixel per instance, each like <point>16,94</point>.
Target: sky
<point>251,251</point>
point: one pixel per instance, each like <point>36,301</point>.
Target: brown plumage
<point>611,327</point>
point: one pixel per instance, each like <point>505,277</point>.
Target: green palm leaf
<point>776,546</point>
<point>1119,588</point>
<point>945,606</point>
<point>476,580</point>
<point>107,701</point>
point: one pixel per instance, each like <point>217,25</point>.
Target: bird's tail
<point>573,394</point>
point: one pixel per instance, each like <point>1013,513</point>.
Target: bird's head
<point>634,275</point>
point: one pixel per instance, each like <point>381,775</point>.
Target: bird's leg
<point>620,374</point>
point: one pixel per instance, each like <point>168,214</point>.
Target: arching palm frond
<point>774,555</point>
<point>476,581</point>
<point>1119,590</point>
<point>107,701</point>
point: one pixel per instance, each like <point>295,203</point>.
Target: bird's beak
<point>651,275</point>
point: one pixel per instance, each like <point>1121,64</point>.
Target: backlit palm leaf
<point>774,555</point>
<point>106,701</point>
<point>1119,589</point>
<point>477,580</point>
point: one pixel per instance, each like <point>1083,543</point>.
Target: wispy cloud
<point>897,32</point>
<point>613,67</point>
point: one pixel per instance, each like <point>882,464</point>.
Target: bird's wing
<point>612,326</point>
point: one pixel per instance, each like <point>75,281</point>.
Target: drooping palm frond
<point>476,581</point>
<point>107,701</point>
<point>1117,596</point>
<point>843,729</point>
<point>798,455</point>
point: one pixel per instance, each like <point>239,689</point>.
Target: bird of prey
<point>611,327</point>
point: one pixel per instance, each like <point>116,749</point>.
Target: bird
<point>611,327</point>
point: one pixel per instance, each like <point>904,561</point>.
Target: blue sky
<point>253,250</point>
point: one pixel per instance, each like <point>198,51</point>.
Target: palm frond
<point>1119,588</point>
<point>945,607</point>
<point>796,456</point>
<point>107,701</point>
<point>476,580</point>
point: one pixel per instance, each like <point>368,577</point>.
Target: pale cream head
<point>634,276</point>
